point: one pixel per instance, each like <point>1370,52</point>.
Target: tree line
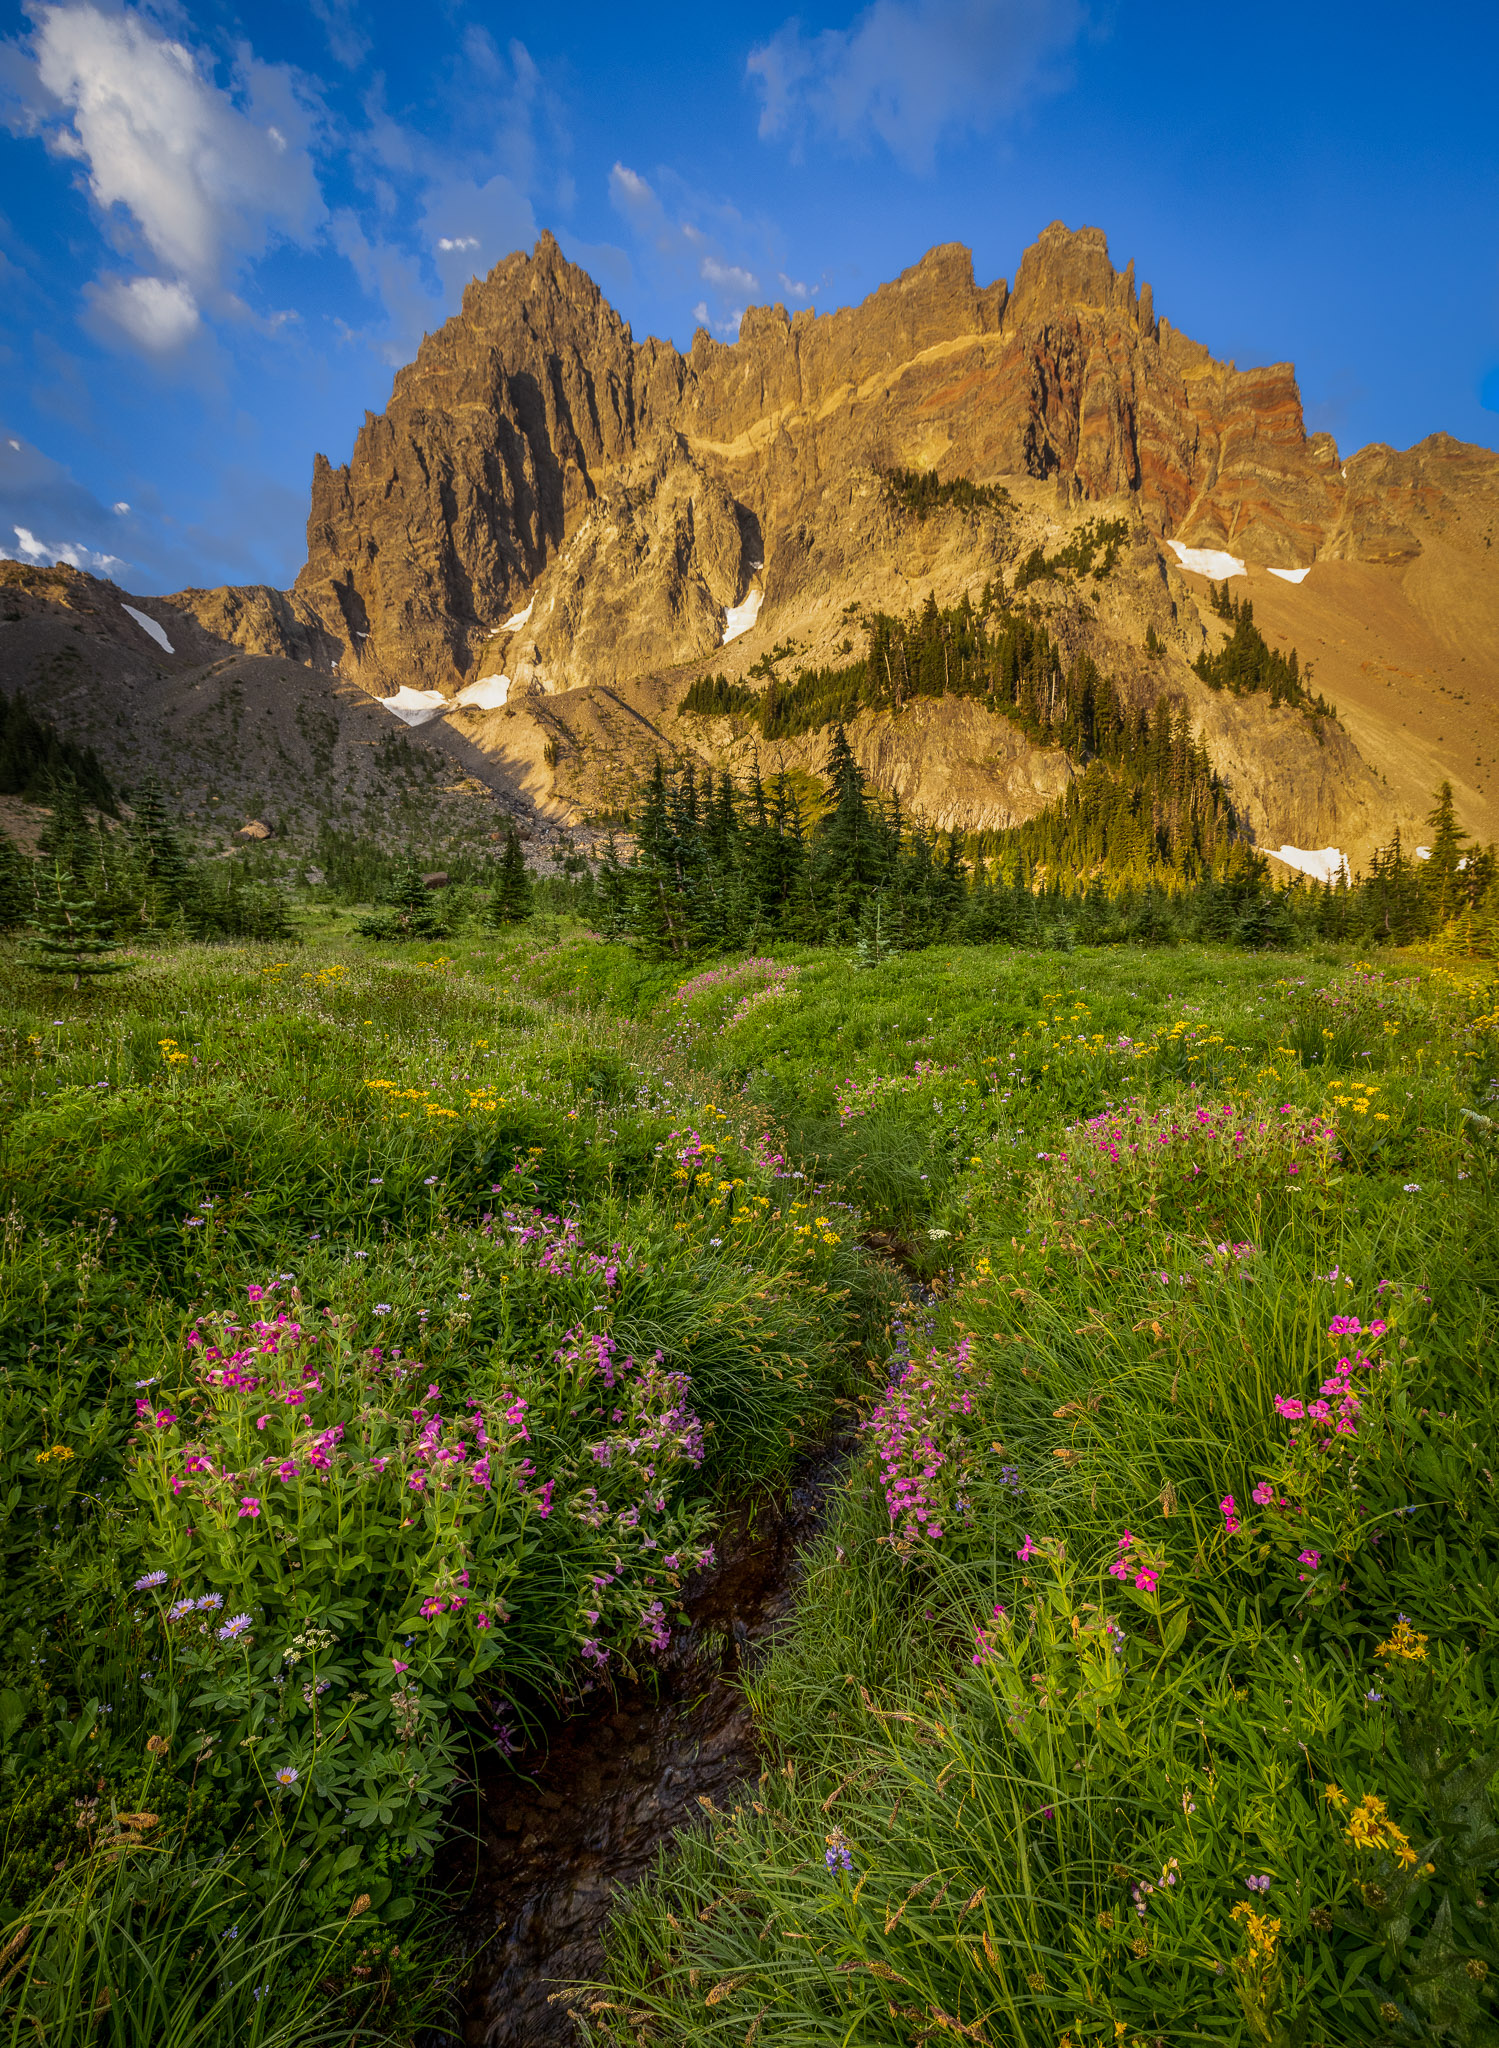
<point>716,866</point>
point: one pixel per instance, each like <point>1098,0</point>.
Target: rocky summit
<point>553,531</point>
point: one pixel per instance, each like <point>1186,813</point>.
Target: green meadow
<point>386,1328</point>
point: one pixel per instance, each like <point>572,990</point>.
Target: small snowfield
<point>1207,561</point>
<point>150,626</point>
<point>740,617</point>
<point>415,707</point>
<point>1326,864</point>
<point>487,694</point>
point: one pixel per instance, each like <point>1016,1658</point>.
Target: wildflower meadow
<point>386,1340</point>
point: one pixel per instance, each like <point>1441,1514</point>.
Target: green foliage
<point>68,934</point>
<point>17,889</point>
<point>1144,1683</point>
<point>34,760</point>
<point>716,697</point>
<point>460,1194</point>
<point>918,492</point>
<point>1247,663</point>
<point>512,901</point>
<point>1080,556</point>
<point>410,909</point>
<point>412,1582</point>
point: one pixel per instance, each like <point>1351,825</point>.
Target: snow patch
<point>514,623</point>
<point>1207,561</point>
<point>488,694</point>
<point>1327,864</point>
<point>149,626</point>
<point>1292,575</point>
<point>415,707</point>
<point>740,617</point>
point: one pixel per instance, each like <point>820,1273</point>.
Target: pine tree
<point>511,901</point>
<point>613,893</point>
<point>69,935</point>
<point>164,867</point>
<point>409,911</point>
<point>67,836</point>
<point>17,886</point>
<point>1442,877</point>
<point>878,933</point>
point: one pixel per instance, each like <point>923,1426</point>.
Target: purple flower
<point>382,1308</point>
<point>234,1628</point>
<point>144,1585</point>
<point>1257,1884</point>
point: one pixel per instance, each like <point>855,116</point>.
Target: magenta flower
<point>1026,1551</point>
<point>249,1505</point>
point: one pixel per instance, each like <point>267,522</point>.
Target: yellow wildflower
<point>1404,1642</point>
<point>1263,1931</point>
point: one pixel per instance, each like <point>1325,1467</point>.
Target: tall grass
<point>1140,1747</point>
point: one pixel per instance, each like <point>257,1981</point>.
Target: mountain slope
<point>548,502</point>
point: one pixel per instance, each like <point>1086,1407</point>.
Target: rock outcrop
<point>567,517</point>
<point>534,412</point>
<point>261,621</point>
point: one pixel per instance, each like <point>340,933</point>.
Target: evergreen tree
<point>408,910</point>
<point>34,760</point>
<point>878,934</point>
<point>68,934</point>
<point>613,893</point>
<point>1442,874</point>
<point>511,901</point>
<point>850,853</point>
<point>167,874</point>
<point>68,836</point>
<point>17,886</point>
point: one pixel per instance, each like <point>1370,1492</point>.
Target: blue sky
<point>222,228</point>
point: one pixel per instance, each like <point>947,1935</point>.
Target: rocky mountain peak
<point>547,504</point>
<point>1068,271</point>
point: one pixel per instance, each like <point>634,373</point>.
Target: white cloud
<point>684,237</point>
<point>630,193</point>
<point>119,509</point>
<point>447,242</point>
<point>49,551</point>
<point>910,71</point>
<point>207,178</point>
<point>728,275</point>
<point>348,44</point>
<point>156,313</point>
<point>791,286</point>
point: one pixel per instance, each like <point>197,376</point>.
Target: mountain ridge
<point>569,515</point>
